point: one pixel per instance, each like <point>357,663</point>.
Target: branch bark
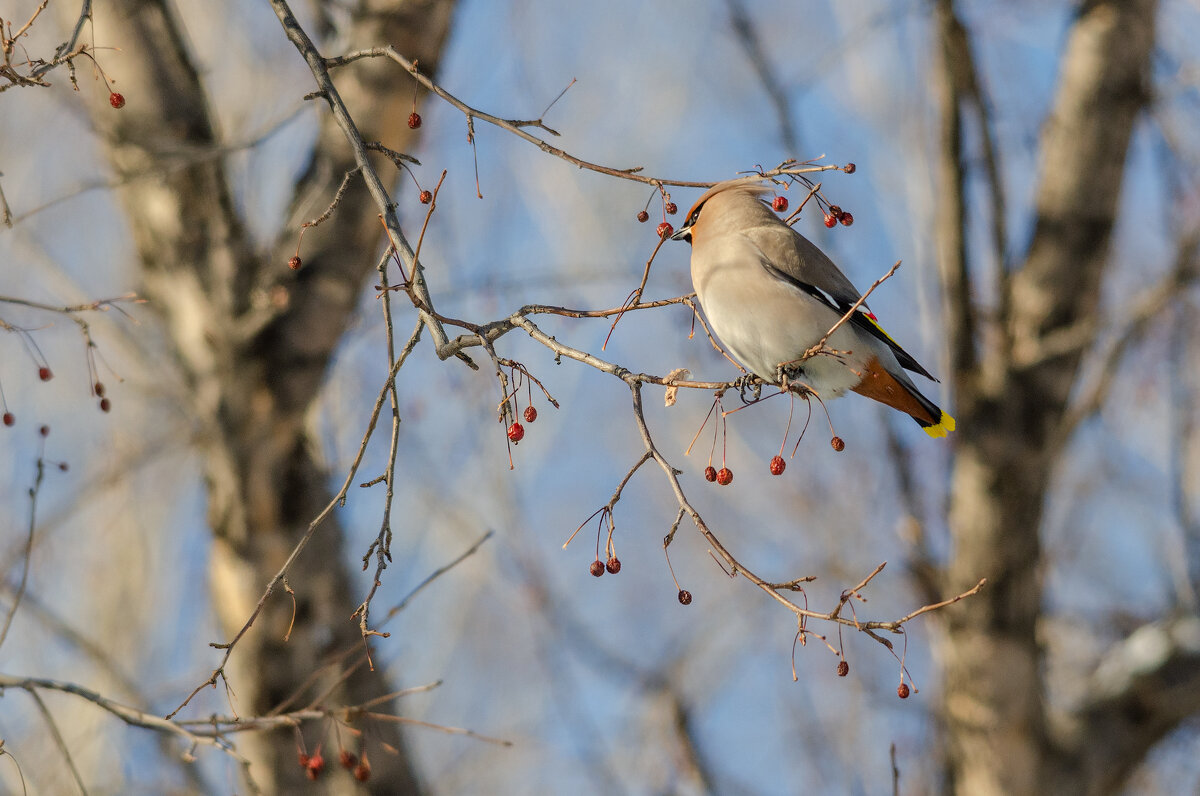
<point>993,704</point>
<point>1141,691</point>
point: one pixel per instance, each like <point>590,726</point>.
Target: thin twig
<point>20,592</point>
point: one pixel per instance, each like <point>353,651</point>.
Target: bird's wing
<point>800,260</point>
<point>791,257</point>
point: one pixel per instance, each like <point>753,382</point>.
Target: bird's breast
<point>764,322</point>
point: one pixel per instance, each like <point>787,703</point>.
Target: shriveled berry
<point>903,691</point>
<point>779,203</point>
<point>597,568</point>
<point>665,230</point>
<point>672,208</point>
<point>414,120</point>
<point>63,467</point>
<point>516,432</point>
<point>838,444</point>
<point>843,669</point>
<point>294,263</point>
<point>426,197</point>
<point>710,473</point>
<point>98,389</point>
<point>9,419</point>
<point>835,211</point>
<point>362,772</point>
<point>643,216</point>
<point>316,764</point>
<point>847,219</point>
<point>45,374</point>
<point>849,168</point>
<point>347,759</point>
<point>613,565</point>
<point>830,221</point>
<point>530,414</point>
<point>116,100</point>
<point>685,597</point>
<point>778,465</point>
<point>724,476</point>
<point>105,405</point>
<point>44,431</point>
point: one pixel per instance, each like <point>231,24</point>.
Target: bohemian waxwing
<point>770,294</point>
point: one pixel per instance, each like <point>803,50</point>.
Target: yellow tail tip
<point>944,426</point>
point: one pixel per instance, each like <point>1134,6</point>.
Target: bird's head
<point>723,203</point>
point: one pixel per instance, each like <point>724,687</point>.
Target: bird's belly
<point>768,324</point>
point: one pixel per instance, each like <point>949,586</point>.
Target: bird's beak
<point>683,233</point>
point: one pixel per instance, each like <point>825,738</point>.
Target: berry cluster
<point>837,214</point>
<point>664,229</point>
<point>612,566</point>
<point>46,374</point>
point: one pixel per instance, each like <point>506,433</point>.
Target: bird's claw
<point>746,382</point>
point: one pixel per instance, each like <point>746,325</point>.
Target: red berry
<point>847,219</point>
<point>44,431</point>
<point>903,691</point>
<point>295,263</point>
<point>347,758</point>
<point>849,168</point>
<point>316,764</point>
<point>685,597</point>
<point>362,772</point>
<point>838,444</point>
<point>643,216</point>
<point>516,432</point>
<point>44,373</point>
<point>105,404</point>
<point>672,208</point>
<point>778,465</point>
<point>830,221</point>
<point>414,120</point>
<point>665,230</point>
<point>613,565</point>
<point>779,203</point>
<point>597,568</point>
<point>9,419</point>
<point>710,473</point>
<point>98,389</point>
<point>843,669</point>
<point>426,197</point>
<point>116,100</point>
<point>835,211</point>
<point>530,414</point>
<point>724,476</point>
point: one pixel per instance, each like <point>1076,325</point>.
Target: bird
<point>770,294</point>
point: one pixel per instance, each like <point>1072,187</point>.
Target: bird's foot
<point>747,383</point>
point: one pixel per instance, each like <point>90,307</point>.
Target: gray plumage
<point>770,294</point>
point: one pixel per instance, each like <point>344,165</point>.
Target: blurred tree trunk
<point>1014,387</point>
<point>254,341</point>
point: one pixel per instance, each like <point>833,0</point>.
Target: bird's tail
<point>879,385</point>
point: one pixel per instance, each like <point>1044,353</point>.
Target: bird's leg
<point>746,382</point>
<point>787,372</point>
<point>789,375</point>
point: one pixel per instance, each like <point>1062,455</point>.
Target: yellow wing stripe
<point>874,322</point>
